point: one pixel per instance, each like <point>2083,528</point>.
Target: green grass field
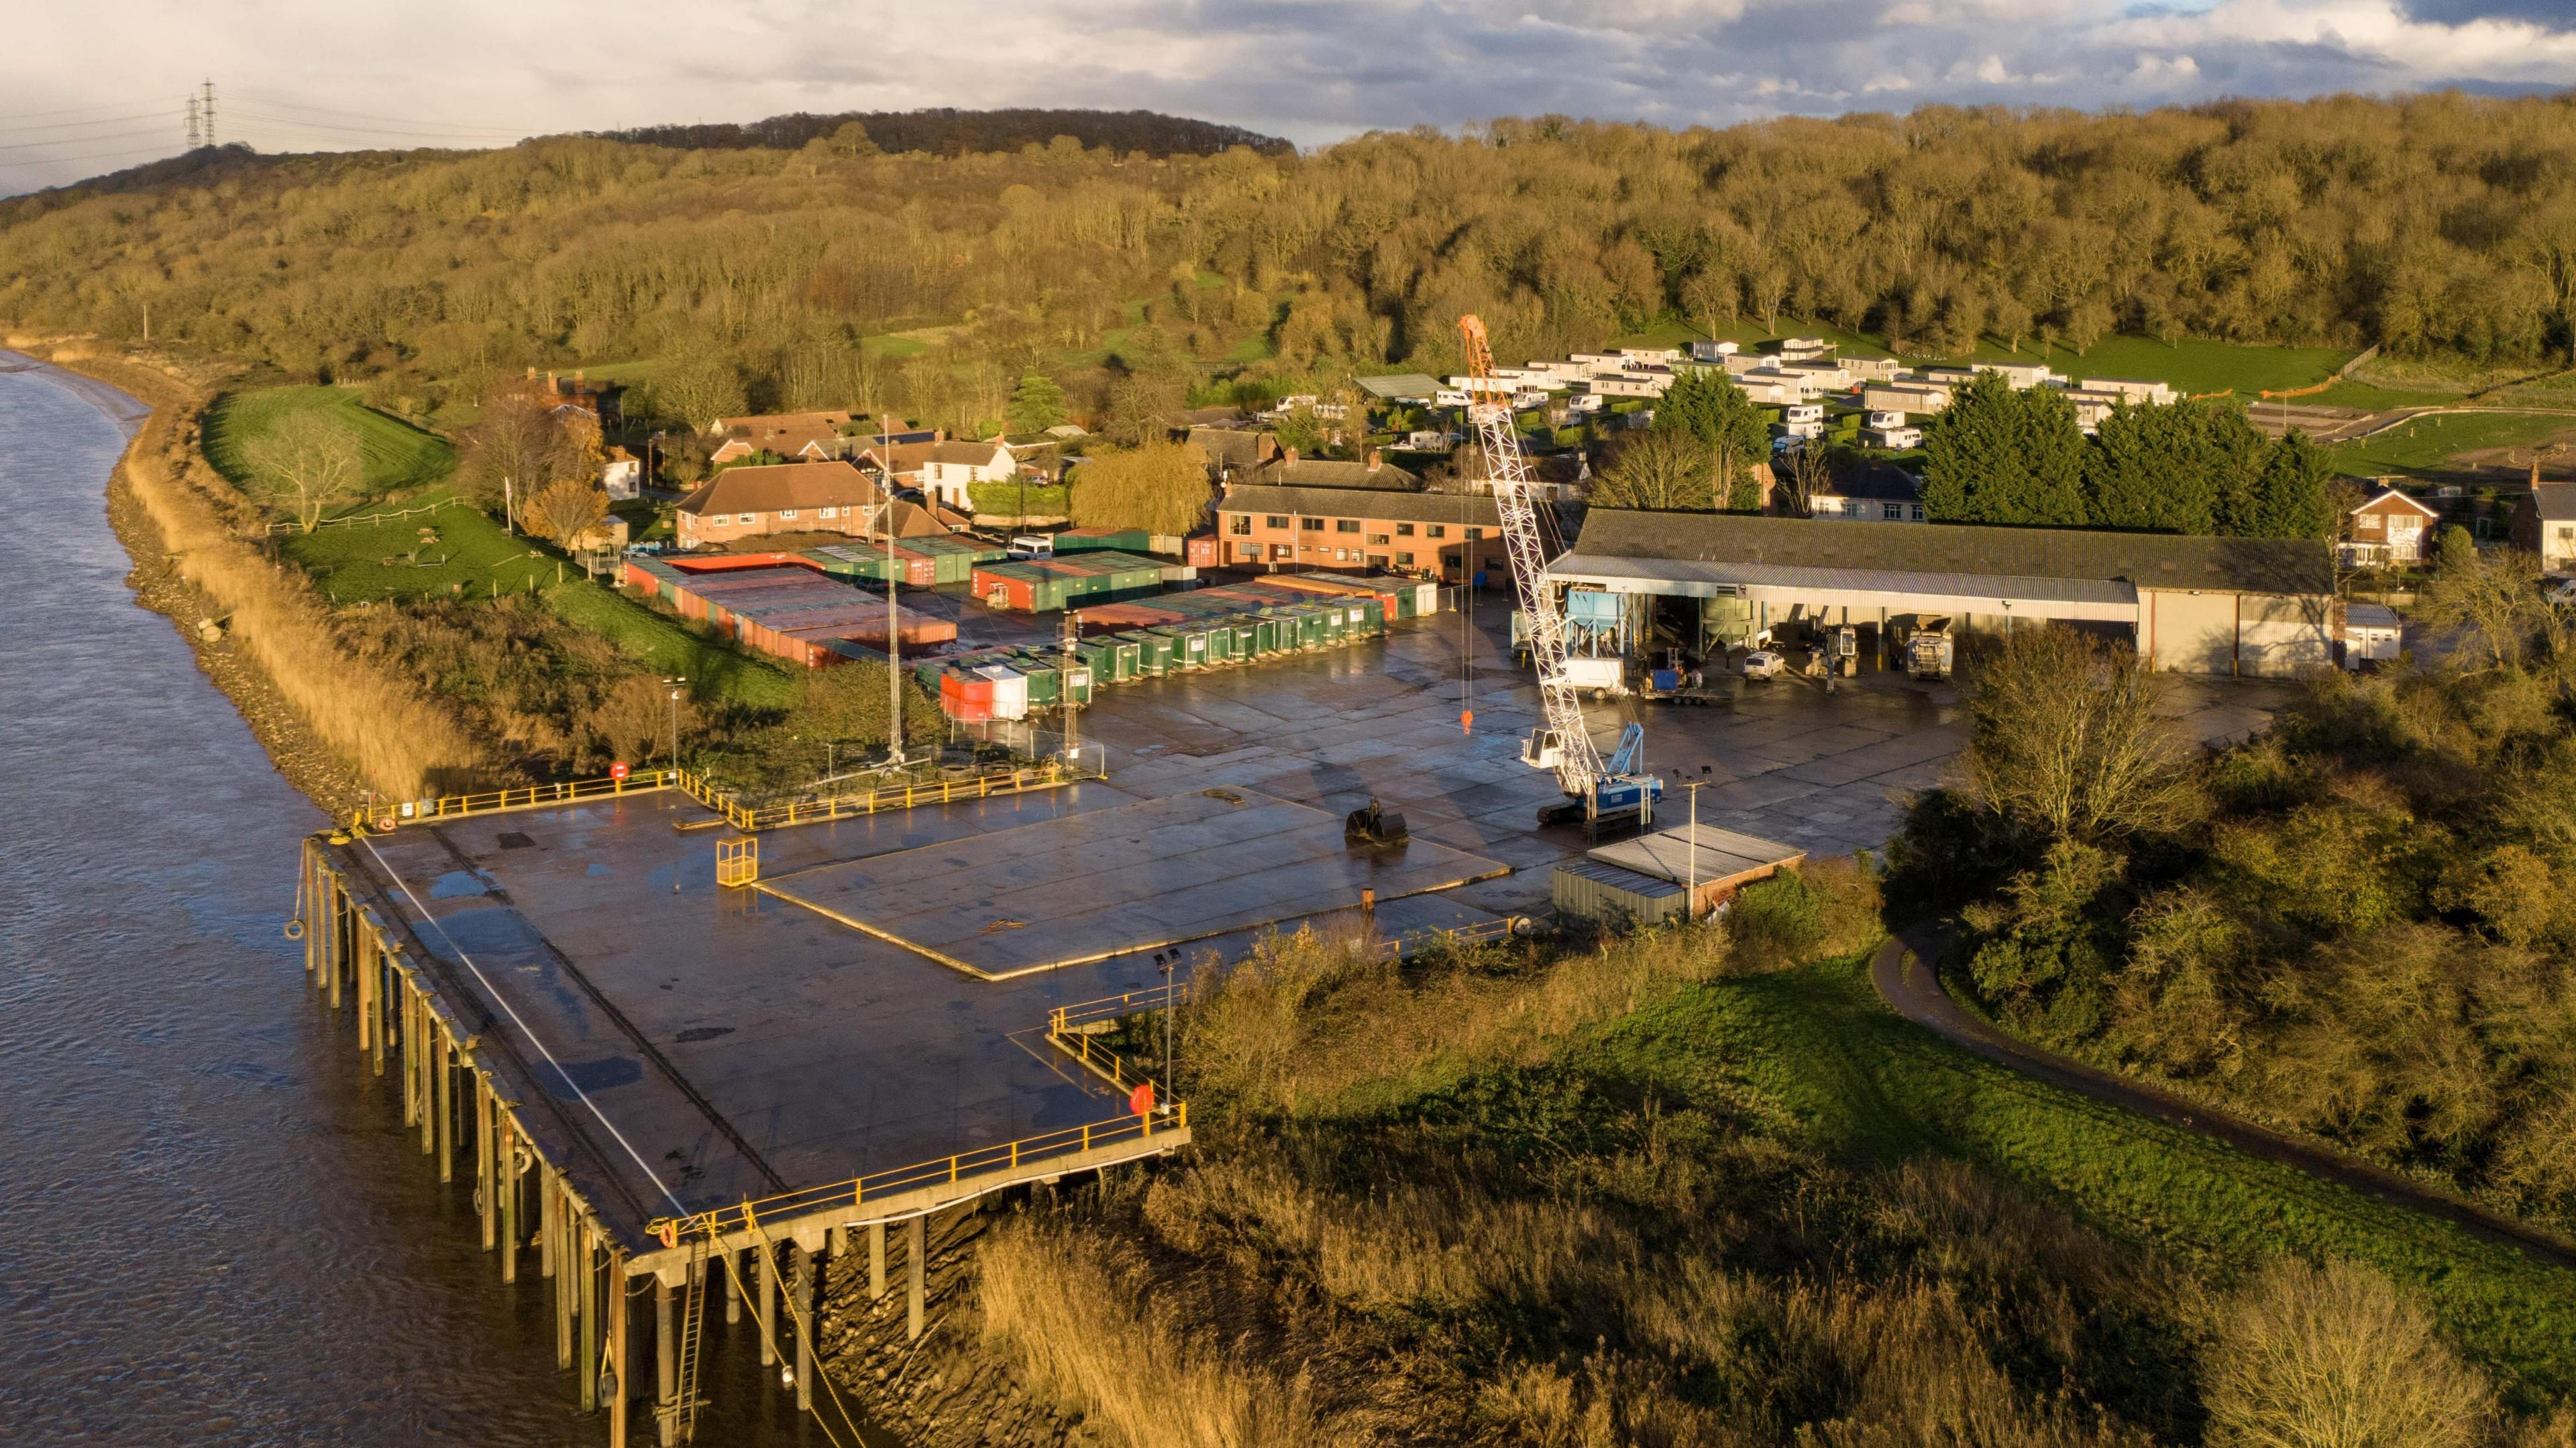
<point>715,670</point>
<point>2428,444</point>
<point>398,458</point>
<point>474,558</point>
<point>1814,1054</point>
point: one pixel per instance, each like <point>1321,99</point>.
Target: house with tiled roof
<point>748,502</point>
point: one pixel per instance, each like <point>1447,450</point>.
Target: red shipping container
<point>921,570</point>
<point>730,562</point>
<point>1199,550</point>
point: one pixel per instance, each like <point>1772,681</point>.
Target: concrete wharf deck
<point>567,987</point>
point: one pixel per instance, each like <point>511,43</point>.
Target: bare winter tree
<point>2322,1357</point>
<point>305,463</point>
<point>2064,739</point>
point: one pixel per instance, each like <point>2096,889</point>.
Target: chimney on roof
<point>551,389</point>
<point>1265,447</point>
<point>576,375</point>
<point>1376,459</point>
<point>1287,455</point>
<point>532,374</point>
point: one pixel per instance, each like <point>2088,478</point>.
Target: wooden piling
<point>446,1083</point>
<point>568,1277</point>
<point>587,1305</point>
<point>876,1261</point>
<point>506,1150</point>
<point>617,1349</point>
<point>386,983</point>
<point>803,1286</point>
<point>666,1363</point>
<point>339,939</point>
<point>409,1062</point>
<point>362,984</point>
<point>487,1181</point>
<point>764,1263</point>
<point>733,1288</point>
<point>915,1289</point>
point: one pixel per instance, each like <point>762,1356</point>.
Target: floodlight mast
<point>1564,744</point>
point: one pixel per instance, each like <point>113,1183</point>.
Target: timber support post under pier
<point>451,1096</point>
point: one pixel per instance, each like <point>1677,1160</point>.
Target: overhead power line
<point>404,121</point>
<point>83,140</point>
<point>10,130</point>
<point>64,111</point>
<point>26,163</point>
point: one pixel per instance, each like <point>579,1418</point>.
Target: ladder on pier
<point>685,1399</point>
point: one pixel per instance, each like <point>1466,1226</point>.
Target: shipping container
<point>1189,645</point>
<point>1043,676</point>
<point>1199,550</point>
<point>1153,653</point>
<point>1010,691</point>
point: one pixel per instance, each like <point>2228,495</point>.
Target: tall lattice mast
<point>1489,406</point>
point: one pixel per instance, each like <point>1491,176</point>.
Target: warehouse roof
<point>1475,509</point>
<point>2145,560</point>
<point>1401,385</point>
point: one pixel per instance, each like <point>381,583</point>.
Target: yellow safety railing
<point>1046,774</point>
<point>1071,1029</point>
<point>389,814</point>
<point>946,1170</point>
<point>738,861</point>
<point>1502,929</point>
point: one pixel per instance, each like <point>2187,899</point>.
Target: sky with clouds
<point>327,74</point>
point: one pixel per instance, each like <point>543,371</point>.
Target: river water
<point>224,1235</point>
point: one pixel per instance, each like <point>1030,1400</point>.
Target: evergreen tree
<point>1705,404</point>
<point>2187,468</point>
<point>1036,404</point>
<point>1995,455</point>
<point>2290,492</point>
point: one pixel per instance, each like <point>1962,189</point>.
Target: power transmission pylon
<point>208,107</point>
<point>193,140</point>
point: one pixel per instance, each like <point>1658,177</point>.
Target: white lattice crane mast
<point>1565,745</point>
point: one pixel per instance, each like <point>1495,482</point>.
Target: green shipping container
<point>1045,678</point>
<point>1123,655</point>
<point>1153,653</point>
<point>1189,644</point>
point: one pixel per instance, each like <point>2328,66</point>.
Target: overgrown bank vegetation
<point>2433,224</point>
<point>2360,926</point>
<point>1697,1187</point>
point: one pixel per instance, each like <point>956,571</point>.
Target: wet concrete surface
<point>737,1043</point>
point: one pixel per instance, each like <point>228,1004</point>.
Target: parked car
<point>1764,664</point>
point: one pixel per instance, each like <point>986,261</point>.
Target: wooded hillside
<point>2433,223</point>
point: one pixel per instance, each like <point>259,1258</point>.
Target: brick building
<point>748,502</point>
<point>1435,535</point>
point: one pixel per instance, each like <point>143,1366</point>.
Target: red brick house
<point>747,502</point>
<point>2389,529</point>
<point>1435,535</point>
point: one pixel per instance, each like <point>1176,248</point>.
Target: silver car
<point>1763,664</point>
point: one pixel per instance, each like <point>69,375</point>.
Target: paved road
<point>1907,983</point>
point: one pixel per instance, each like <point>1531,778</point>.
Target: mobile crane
<point>1596,791</point>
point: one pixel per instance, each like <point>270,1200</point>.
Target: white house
<point>1822,375</point>
<point>1712,351</point>
<point>1871,369</point>
<point>950,469</point>
<point>1766,385</point>
<point>622,475</point>
<point>1799,349</point>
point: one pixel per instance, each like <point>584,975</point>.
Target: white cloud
<point>306,74</point>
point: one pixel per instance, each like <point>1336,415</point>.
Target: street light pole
<point>675,684</point>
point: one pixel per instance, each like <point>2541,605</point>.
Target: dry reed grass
<point>398,741</point>
<point>1308,1023</point>
<point>1076,1310</point>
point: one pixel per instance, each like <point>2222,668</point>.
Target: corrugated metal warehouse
<point>2261,606</point>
